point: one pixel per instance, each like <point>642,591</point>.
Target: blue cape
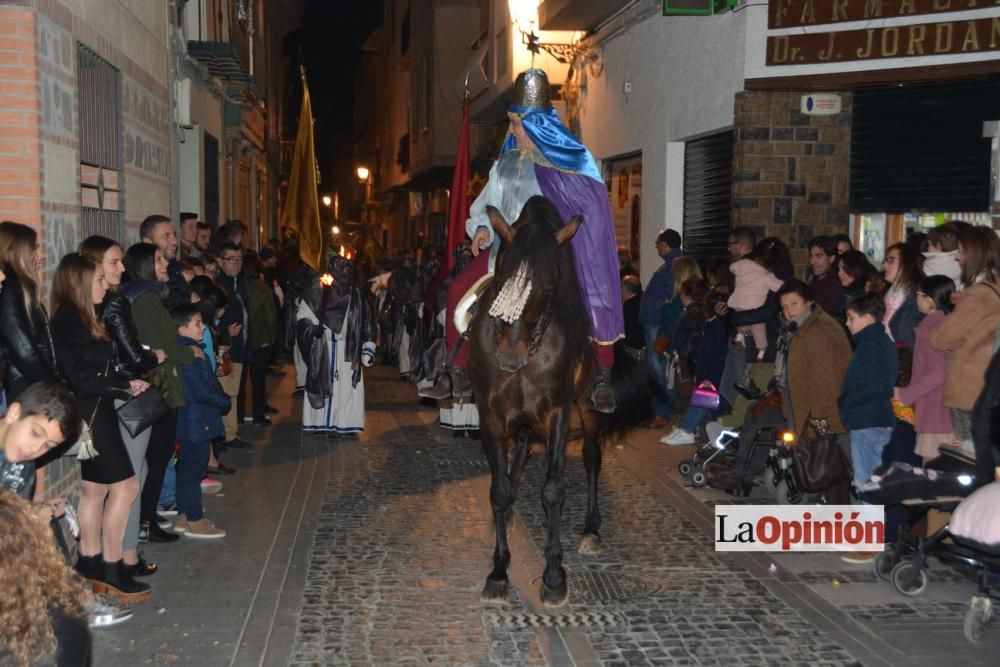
<point>555,141</point>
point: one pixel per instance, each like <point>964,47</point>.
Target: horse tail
<point>634,387</point>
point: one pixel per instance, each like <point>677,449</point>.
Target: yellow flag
<point>301,211</point>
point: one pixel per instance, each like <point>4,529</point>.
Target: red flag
<point>458,211</point>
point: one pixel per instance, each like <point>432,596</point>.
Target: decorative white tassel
<point>513,296</point>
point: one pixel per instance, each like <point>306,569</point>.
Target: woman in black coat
<point>24,324</point>
<point>133,361</point>
<point>86,358</point>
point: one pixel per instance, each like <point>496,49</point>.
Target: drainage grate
<point>601,586</point>
<point>574,619</point>
<point>461,463</point>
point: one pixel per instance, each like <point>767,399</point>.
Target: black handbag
<point>819,463</point>
<point>142,411</point>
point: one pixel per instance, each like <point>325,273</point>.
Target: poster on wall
<point>625,191</point>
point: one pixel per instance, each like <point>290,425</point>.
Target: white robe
<point>344,412</point>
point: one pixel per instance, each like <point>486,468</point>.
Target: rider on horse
<point>541,157</point>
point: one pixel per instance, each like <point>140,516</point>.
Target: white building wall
<point>684,74</point>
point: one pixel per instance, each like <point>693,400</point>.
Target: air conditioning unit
<point>182,102</point>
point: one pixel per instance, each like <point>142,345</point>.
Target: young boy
<point>199,421</point>
<point>43,417</point>
<point>866,396</point>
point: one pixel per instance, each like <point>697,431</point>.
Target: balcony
<point>220,35</point>
<point>577,14</point>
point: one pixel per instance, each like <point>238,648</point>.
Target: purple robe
<point>595,249</point>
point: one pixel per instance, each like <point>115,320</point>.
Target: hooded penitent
<point>333,305</point>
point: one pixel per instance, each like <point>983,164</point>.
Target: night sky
<point>331,45</point>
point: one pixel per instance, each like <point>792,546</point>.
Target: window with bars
<point>101,204</point>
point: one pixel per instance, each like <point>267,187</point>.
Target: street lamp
<point>335,229</point>
<point>363,173</point>
<point>327,200</point>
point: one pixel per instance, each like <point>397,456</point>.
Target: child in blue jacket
<point>866,395</point>
<point>199,421</point>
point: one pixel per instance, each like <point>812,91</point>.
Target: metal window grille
<point>101,155</point>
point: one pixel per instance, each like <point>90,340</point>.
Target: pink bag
<point>705,396</point>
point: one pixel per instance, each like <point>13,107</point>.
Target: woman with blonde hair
<point>86,358</point>
<point>24,324</point>
<point>42,618</point>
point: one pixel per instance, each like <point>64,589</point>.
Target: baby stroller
<point>945,482</point>
<point>971,544</point>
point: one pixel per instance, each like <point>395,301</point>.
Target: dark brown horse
<point>531,368</point>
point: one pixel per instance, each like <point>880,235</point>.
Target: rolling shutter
<point>708,182</point>
<point>922,148</point>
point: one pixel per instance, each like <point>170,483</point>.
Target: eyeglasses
<point>890,260</point>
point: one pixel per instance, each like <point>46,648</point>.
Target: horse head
<point>526,276</point>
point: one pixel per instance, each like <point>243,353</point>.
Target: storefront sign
<point>820,104</point>
<point>924,39</point>
<point>791,13</point>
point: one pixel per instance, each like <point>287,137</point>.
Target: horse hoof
<point>495,590</point>
<point>589,545</point>
<point>554,597</point>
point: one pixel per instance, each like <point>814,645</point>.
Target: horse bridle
<point>541,325</point>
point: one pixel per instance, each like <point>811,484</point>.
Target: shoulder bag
<point>140,412</point>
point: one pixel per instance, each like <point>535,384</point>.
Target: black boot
<point>118,582</point>
<point>602,396</point>
<point>441,390</point>
<point>89,567</point>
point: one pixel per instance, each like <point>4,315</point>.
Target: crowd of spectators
<point>182,323</point>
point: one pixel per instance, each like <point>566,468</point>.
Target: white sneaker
<point>679,437</point>
<point>169,512</point>
<point>210,486</point>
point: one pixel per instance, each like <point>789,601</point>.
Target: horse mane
<point>535,244</point>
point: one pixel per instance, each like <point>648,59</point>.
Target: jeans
<point>658,366</point>
<point>168,494</point>
<point>693,418</point>
<point>257,375</point>
<point>191,465</point>
<point>736,363</point>
<point>866,452</point>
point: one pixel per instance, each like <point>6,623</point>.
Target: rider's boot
<point>441,389</point>
<point>602,396</point>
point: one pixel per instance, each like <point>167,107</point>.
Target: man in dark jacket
<point>658,292</point>
<point>236,322</point>
<point>159,230</point>
<point>825,287</point>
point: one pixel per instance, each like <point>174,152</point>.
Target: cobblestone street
<point>374,551</point>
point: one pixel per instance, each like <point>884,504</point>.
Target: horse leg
<point>554,590</point>
<point>501,500</point>
<point>590,542</point>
